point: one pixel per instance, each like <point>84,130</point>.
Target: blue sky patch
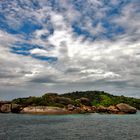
<point>24,47</point>
<point>45,58</point>
<point>29,24</point>
<point>29,27</point>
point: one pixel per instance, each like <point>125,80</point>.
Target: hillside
<point>96,98</point>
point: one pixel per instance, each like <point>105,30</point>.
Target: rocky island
<point>72,103</point>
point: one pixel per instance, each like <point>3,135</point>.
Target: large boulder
<point>113,109</point>
<point>5,108</point>
<point>94,109</point>
<point>122,107</point>
<point>44,110</point>
<point>63,100</point>
<point>88,109</point>
<point>70,107</point>
<point>102,109</point>
<point>84,101</point>
<point>79,110</point>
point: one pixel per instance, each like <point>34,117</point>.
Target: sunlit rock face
<point>44,110</point>
<point>126,108</point>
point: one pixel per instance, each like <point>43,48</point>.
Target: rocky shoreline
<point>121,108</point>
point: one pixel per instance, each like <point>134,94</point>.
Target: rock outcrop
<point>84,101</point>
<point>121,108</point>
<point>102,109</point>
<point>112,110</point>
<point>71,107</point>
<point>88,109</point>
<point>44,110</point>
<point>118,109</point>
<point>125,108</point>
<point>63,100</point>
<point>15,108</point>
<point>94,109</point>
<point>81,109</point>
<point>5,108</point>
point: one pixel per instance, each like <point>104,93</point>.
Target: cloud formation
<point>67,45</point>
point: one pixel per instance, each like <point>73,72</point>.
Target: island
<point>72,103</point>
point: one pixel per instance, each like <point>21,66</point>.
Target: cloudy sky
<point>68,45</point>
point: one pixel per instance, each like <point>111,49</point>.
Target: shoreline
<point>70,109</point>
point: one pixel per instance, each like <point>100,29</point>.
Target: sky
<point>69,45</point>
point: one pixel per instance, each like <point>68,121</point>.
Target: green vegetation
<point>96,98</point>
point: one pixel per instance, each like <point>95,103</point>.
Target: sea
<point>70,127</point>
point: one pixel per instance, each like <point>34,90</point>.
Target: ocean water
<point>69,127</point>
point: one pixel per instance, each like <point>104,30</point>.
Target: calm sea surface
<point>69,127</point>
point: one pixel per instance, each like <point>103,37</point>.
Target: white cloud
<point>129,20</point>
<point>82,62</point>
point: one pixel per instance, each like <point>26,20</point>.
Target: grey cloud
<point>44,79</point>
<point>72,70</point>
<point>12,74</point>
<point>119,57</point>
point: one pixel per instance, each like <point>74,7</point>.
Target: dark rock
<point>15,108</point>
<point>122,107</point>
<point>85,101</point>
<point>70,107</point>
<point>5,108</point>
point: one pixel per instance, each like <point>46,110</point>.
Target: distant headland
<point>72,103</point>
